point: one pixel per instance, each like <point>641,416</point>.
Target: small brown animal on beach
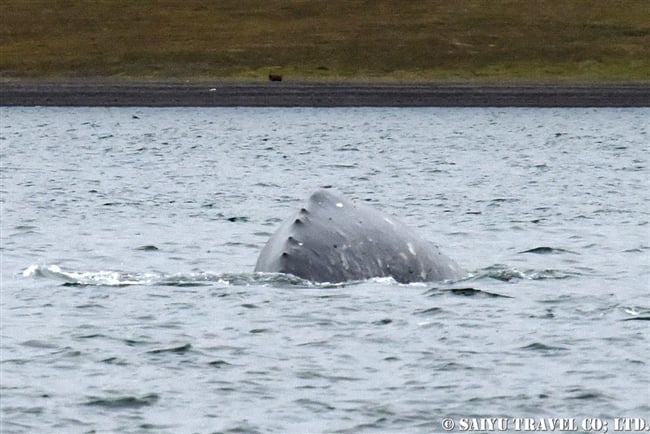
<point>275,77</point>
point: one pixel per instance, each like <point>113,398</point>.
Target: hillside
<point>475,40</point>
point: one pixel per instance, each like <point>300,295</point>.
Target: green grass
<point>484,40</point>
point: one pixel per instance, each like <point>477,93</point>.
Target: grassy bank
<point>578,40</point>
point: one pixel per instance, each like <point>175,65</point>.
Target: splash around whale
<point>333,239</point>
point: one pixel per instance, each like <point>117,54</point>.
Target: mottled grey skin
<point>335,240</point>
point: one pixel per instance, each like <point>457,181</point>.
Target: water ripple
<point>141,309</point>
<point>123,402</point>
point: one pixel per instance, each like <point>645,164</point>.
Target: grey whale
<point>333,239</point>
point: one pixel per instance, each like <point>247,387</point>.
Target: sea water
<point>129,236</point>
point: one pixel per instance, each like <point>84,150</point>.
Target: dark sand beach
<point>323,94</point>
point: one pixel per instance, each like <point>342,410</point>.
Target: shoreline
<point>111,93</point>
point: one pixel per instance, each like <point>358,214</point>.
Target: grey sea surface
<point>129,236</point>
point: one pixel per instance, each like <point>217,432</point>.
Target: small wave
<point>119,278</point>
<point>507,274</point>
<point>124,401</point>
<point>219,364</point>
<point>587,394</point>
<point>637,313</point>
<point>538,346</point>
<point>469,292</point>
<point>181,349</point>
<point>550,274</point>
<point>465,292</point>
<point>544,250</point>
<point>430,311</point>
<point>90,278</point>
<point>35,343</point>
<point>106,278</point>
<point>148,248</point>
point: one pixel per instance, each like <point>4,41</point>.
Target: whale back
<point>332,239</point>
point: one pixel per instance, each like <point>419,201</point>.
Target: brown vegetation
<point>327,39</point>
